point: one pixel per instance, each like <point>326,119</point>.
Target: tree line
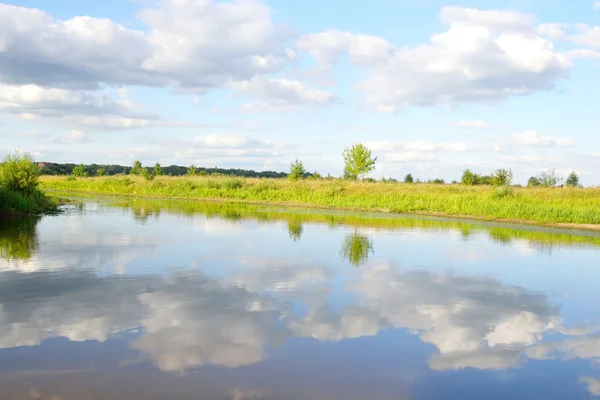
<point>82,170</point>
<point>358,163</point>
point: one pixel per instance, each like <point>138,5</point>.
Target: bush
<point>573,180</point>
<point>534,182</point>
<point>549,178</point>
<point>79,171</point>
<point>502,192</point>
<point>233,184</point>
<point>469,178</point>
<point>502,177</point>
<point>409,179</point>
<point>18,172</point>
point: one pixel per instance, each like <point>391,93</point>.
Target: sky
<point>431,87</point>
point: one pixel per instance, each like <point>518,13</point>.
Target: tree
<point>502,177</point>
<point>409,179</point>
<point>137,168</point>
<point>297,170</point>
<point>549,178</point>
<point>100,172</point>
<point>79,171</point>
<point>157,170</point>
<point>573,180</point>
<point>358,161</point>
<point>469,178</point>
<point>534,182</point>
<point>192,170</point>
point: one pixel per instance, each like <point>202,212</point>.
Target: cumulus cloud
<point>531,138</point>
<point>176,50</point>
<point>94,110</point>
<point>580,34</point>
<point>475,124</point>
<point>281,94</point>
<point>593,384</point>
<point>483,56</point>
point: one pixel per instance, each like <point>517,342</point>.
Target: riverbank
<point>14,202</point>
<point>570,207</point>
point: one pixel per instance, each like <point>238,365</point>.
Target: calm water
<point>155,300</point>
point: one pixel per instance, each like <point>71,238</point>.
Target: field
<point>564,206</point>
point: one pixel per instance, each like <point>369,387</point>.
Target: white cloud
<point>593,384</point>
<point>177,50</point>
<point>281,94</point>
<point>484,56</point>
<point>580,34</point>
<point>475,124</point>
<point>531,138</point>
<point>214,148</point>
<point>95,110</point>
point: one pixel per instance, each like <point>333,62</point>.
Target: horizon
<point>431,88</point>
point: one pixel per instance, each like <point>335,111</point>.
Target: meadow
<point>567,206</point>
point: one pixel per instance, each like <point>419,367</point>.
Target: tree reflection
<point>295,229</point>
<point>18,237</point>
<point>356,249</point>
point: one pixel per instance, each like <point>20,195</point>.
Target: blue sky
<point>431,87</point>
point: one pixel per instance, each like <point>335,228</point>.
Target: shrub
<point>18,172</point>
<point>549,178</point>
<point>469,178</point>
<point>192,170</point>
<point>409,179</point>
<point>534,182</point>
<point>502,177</point>
<point>233,184</point>
<point>502,192</point>
<point>79,171</point>
<point>573,180</point>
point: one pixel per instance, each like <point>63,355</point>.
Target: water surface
<point>180,300</point>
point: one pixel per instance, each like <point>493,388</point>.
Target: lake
<point>134,299</point>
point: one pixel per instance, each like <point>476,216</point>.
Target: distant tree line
<point>138,169</point>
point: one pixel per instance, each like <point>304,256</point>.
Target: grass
<point>19,191</point>
<point>36,202</point>
<point>532,205</point>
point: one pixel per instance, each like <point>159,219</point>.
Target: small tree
<point>573,180</point>
<point>502,177</point>
<point>409,178</point>
<point>297,170</point>
<point>549,178</point>
<point>79,171</point>
<point>157,170</point>
<point>192,170</point>
<point>534,182</point>
<point>469,178</point>
<point>137,168</point>
<point>100,172</point>
<point>358,161</point>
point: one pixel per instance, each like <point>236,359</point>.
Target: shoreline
<point>381,211</point>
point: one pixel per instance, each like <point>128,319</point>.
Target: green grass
<point>36,202</point>
<point>533,205</point>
